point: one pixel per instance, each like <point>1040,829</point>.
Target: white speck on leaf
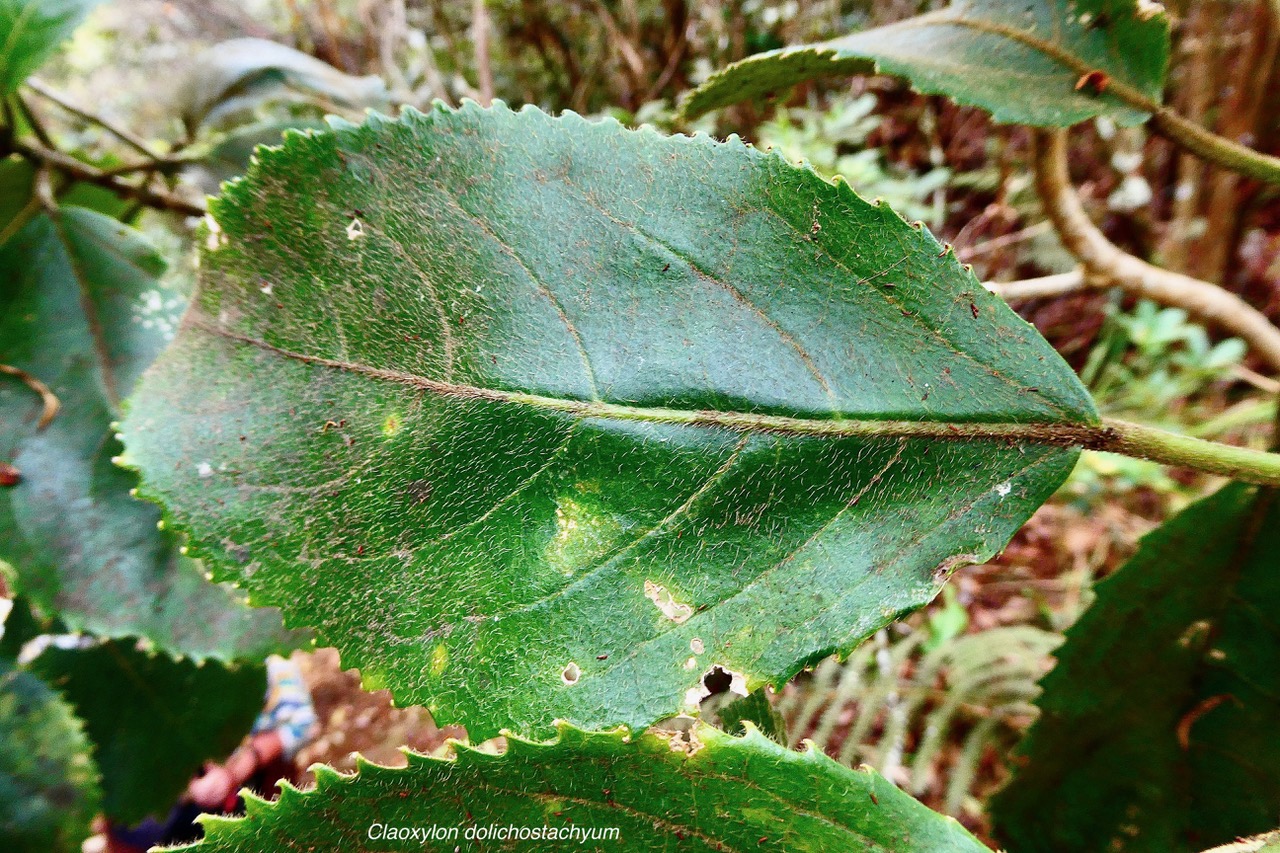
<point>1004,489</point>
<point>204,469</point>
<point>355,230</point>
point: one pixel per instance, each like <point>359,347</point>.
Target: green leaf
<point>48,782</point>
<point>539,418</point>
<point>703,791</point>
<point>21,626</point>
<point>1023,62</point>
<point>243,74</point>
<point>17,188</point>
<point>18,204</point>
<point>757,710</point>
<point>82,310</point>
<point>153,720</point>
<point>30,31</point>
<point>1158,723</point>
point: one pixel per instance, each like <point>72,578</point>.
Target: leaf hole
<point>571,674</point>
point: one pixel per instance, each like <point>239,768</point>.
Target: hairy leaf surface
<point>1051,64</point>
<point>152,720</point>
<point>48,781</point>
<point>1158,723</point>
<point>704,791</point>
<point>30,30</point>
<point>83,311</point>
<point>537,418</point>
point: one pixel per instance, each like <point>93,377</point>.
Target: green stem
<point>1238,463</point>
<point>1188,134</point>
<point>1215,148</point>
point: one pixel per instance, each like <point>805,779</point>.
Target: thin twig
<point>967,253</point>
<point>74,168</point>
<point>42,190</point>
<point>1257,380</point>
<point>126,136</point>
<point>1044,287</point>
<point>37,126</point>
<point>1103,259</point>
<point>23,216</point>
<point>673,65</point>
<point>480,38</point>
<point>50,400</point>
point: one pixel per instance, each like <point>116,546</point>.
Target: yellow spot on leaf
<point>585,532</point>
<point>439,660</point>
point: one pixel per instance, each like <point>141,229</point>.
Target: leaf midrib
<point>1056,433</point>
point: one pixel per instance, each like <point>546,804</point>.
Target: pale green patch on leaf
<point>83,310</point>
<point>48,781</point>
<point>701,790</point>
<point>1157,730</point>
<point>31,30</point>
<point>575,397</point>
<point>1051,64</point>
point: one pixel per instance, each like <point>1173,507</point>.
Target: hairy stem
<point>1167,448</point>
<point>1103,259</point>
<point>1215,148</point>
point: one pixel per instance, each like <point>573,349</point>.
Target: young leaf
<point>1158,724</point>
<point>82,310</point>
<point>48,782</point>
<point>30,30</point>
<point>1051,63</point>
<point>153,720</point>
<point>701,791</point>
<point>539,418</point>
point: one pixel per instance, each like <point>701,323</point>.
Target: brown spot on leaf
<point>419,491</point>
<point>9,475</point>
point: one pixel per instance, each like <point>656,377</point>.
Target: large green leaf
<point>1158,723</point>
<point>153,720</point>
<point>1050,63</point>
<point>703,791</point>
<point>48,782</point>
<point>540,418</point>
<point>82,309</point>
<point>30,30</point>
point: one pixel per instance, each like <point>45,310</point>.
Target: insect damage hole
<point>715,680</point>
<point>662,599</point>
<point>571,674</point>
